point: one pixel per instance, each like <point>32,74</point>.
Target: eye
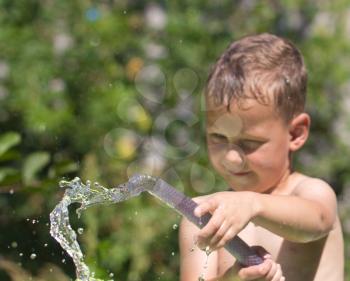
<point>217,138</point>
<point>249,145</point>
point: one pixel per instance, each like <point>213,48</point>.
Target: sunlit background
<point>103,89</point>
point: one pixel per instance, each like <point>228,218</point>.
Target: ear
<point>299,131</point>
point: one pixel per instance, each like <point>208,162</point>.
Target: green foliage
<point>8,140</point>
<point>33,164</point>
<point>103,89</point>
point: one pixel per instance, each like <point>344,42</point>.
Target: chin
<point>241,185</point>
<point>245,184</point>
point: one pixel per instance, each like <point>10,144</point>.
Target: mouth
<point>240,174</point>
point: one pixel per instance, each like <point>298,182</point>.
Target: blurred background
<point>101,89</point>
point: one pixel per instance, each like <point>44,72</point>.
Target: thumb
<point>200,199</point>
<point>256,271</point>
<point>206,204</point>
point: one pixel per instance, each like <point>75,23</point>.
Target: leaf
<point>63,168</point>
<point>5,172</point>
<point>8,140</point>
<point>33,164</point>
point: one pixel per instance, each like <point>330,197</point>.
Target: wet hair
<point>264,67</point>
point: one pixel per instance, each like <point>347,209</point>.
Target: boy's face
<point>248,145</point>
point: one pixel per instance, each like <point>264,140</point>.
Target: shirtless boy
<point>255,100</point>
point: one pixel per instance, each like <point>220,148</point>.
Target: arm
<point>192,259</point>
<point>306,215</point>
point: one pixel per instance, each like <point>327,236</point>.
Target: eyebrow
<point>244,135</point>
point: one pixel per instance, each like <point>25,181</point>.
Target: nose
<point>234,160</point>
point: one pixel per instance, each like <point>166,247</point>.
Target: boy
<point>255,99</point>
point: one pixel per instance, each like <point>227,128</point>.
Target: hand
<point>269,270</point>
<point>231,212</point>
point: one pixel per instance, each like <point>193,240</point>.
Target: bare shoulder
<point>317,190</point>
<point>314,188</point>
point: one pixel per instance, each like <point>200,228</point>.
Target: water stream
<point>88,194</point>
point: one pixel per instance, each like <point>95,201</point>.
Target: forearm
<point>224,278</point>
<point>193,261</point>
<point>294,218</point>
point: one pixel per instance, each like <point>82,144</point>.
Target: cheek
<point>215,150</point>
<point>269,159</point>
<point>215,153</point>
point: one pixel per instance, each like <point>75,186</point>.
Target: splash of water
<point>87,195</point>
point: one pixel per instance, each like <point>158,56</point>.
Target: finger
<point>230,233</point>
<point>278,274</point>
<point>206,206</point>
<point>255,271</point>
<point>220,233</point>
<point>222,225</point>
<point>208,231</point>
<point>248,273</point>
<point>265,267</point>
<point>273,270</point>
<point>200,199</point>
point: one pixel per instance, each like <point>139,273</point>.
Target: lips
<point>240,173</point>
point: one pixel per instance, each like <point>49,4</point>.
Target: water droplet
<point>207,250</point>
<point>80,230</point>
<point>21,254</point>
<point>33,256</point>
<point>175,226</point>
<point>45,245</point>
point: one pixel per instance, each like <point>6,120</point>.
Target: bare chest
<point>300,261</point>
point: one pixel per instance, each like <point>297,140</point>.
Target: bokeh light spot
<point>121,143</point>
<point>150,83</point>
